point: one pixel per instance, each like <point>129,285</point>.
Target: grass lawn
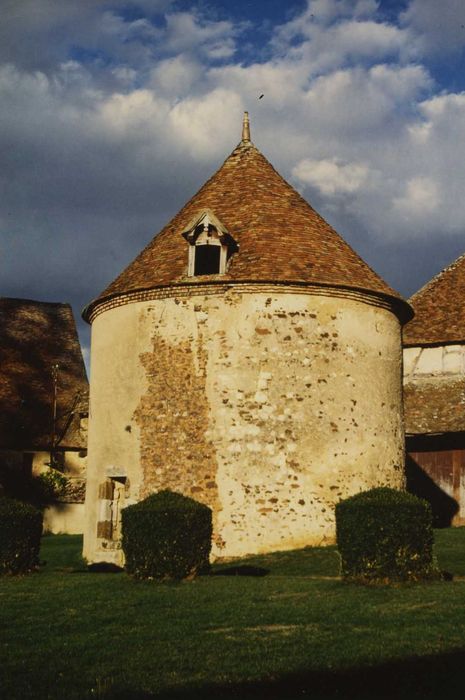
<point>289,629</point>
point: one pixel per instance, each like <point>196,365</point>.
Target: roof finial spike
<point>246,128</point>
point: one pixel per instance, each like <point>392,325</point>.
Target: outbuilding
<point>43,405</point>
<point>434,376</point>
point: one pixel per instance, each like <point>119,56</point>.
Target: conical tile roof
<point>281,238</point>
<point>439,309</point>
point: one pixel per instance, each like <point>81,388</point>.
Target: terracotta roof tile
<point>439,309</point>
<point>435,406</point>
<point>33,337</point>
<point>281,237</point>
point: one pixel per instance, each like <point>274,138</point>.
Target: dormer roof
<point>281,238</point>
<point>205,215</point>
<point>207,218</point>
<point>439,309</point>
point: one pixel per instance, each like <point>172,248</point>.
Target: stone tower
<point>250,359</point>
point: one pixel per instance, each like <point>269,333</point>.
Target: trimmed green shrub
<point>385,535</point>
<point>20,533</point>
<point>167,536</point>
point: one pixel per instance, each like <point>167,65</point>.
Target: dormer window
<point>210,245</point>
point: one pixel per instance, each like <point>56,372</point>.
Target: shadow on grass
<point>104,567</point>
<point>413,678</point>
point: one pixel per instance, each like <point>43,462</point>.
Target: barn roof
<point>35,336</point>
<point>281,238</point>
<point>439,309</point>
<point>434,406</point>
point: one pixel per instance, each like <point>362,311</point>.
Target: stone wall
<point>443,360</point>
<point>64,518</point>
<point>269,407</point>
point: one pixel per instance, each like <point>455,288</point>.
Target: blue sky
<point>113,113</point>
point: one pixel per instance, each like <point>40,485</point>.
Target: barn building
<point>43,404</point>
<point>434,377</point>
<point>250,359</point>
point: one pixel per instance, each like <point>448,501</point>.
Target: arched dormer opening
<point>210,245</point>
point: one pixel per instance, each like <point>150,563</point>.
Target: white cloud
<point>439,25</point>
<point>444,106</point>
<point>202,125</point>
<point>332,34</point>
<point>176,76</point>
<point>186,31</point>
<point>420,200</point>
<point>348,42</point>
<point>133,116</point>
<point>325,13</point>
<point>279,82</point>
<point>114,30</point>
<point>124,75</point>
<point>332,177</point>
<point>85,348</point>
<point>357,99</point>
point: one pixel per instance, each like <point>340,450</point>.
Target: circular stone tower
<point>247,358</point>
